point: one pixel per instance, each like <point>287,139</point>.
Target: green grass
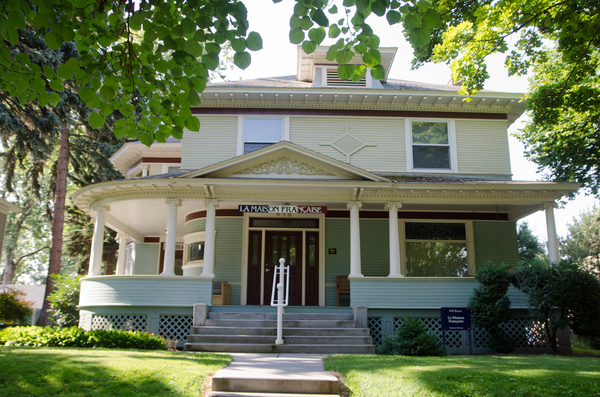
<point>71,372</point>
<point>468,375</point>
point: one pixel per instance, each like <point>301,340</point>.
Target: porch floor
<point>289,309</point>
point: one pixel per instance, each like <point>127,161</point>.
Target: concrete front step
<point>286,323</point>
<point>288,340</point>
<point>286,316</point>
<point>270,331</point>
<point>275,385</point>
<point>272,348</point>
<point>250,394</point>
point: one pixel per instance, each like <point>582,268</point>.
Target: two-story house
<point>403,188</point>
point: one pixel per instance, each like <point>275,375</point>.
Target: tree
<point>529,245</point>
<point>559,43</point>
<point>180,42</point>
<point>582,244</point>
<point>560,296</point>
<point>42,139</point>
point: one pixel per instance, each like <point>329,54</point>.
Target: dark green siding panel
<point>228,254</point>
<point>495,242</point>
<point>196,225</point>
<point>375,247</point>
<point>337,235</point>
<point>146,259</point>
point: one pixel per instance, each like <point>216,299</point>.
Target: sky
<point>278,58</point>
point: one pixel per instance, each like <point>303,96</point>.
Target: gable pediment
<point>284,160</point>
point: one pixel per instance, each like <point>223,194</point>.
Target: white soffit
<point>131,152</point>
<point>6,207</point>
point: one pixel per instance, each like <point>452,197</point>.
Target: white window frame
<point>242,126</point>
<point>472,268</point>
<point>451,145</point>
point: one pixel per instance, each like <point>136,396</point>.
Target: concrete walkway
<point>274,375</point>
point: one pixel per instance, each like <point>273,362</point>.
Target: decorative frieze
<point>284,166</point>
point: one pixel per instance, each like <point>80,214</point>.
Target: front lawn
<point>471,376</point>
<point>71,372</point>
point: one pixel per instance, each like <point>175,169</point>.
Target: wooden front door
<point>286,245</point>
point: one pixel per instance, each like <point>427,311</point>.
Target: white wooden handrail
<point>284,279</point>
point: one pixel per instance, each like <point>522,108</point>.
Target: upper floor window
<point>431,146</point>
<point>260,133</point>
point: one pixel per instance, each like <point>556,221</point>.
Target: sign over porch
<point>283,209</point>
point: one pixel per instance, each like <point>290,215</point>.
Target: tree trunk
<point>58,219</point>
<point>9,268</point>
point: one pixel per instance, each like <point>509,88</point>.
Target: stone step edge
<point>252,394</point>
<point>275,385</point>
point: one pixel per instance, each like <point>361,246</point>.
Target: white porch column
<point>97,240</point>
<point>394,245</point>
<point>145,169</point>
<point>553,253</point>
<point>355,266</point>
<point>169,262</point>
<point>123,237</point>
<point>209,238</point>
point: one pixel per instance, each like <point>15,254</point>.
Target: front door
<point>286,245</point>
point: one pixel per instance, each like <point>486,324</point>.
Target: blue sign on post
<point>456,319</point>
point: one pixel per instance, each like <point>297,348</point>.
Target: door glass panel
<point>255,249</point>
<point>312,248</point>
<point>284,248</point>
<point>274,251</point>
<point>292,250</point>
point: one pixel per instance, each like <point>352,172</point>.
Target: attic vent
<point>333,80</point>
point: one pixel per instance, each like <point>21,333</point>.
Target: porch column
<point>553,253</point>
<point>355,267</point>
<point>394,245</point>
<point>123,237</point>
<point>169,267</point>
<point>209,238</point>
<point>97,240</point>
<point>145,169</point>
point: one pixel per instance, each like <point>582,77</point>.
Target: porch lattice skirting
<point>173,327</point>
<point>527,334</point>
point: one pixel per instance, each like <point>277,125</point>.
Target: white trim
<point>451,145</point>
<point>240,138</point>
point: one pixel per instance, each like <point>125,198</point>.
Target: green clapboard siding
<point>146,259</point>
<point>337,235</point>
<point>419,293</point>
<point>145,291</point>
<point>228,254</point>
<point>496,242</point>
<point>375,247</point>
<point>197,225</point>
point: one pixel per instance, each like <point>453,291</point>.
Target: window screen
<point>260,133</point>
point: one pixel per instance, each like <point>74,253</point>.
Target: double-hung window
<point>436,249</point>
<point>431,146</point>
<point>262,132</point>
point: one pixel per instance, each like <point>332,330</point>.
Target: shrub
<point>490,306</point>
<point>76,337</point>
<point>413,339</point>
<point>560,296</point>
<point>13,308</point>
<point>64,300</point>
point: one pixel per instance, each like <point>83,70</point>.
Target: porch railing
<point>280,278</point>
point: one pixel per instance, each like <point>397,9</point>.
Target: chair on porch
<point>342,287</point>
<point>220,293</point>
